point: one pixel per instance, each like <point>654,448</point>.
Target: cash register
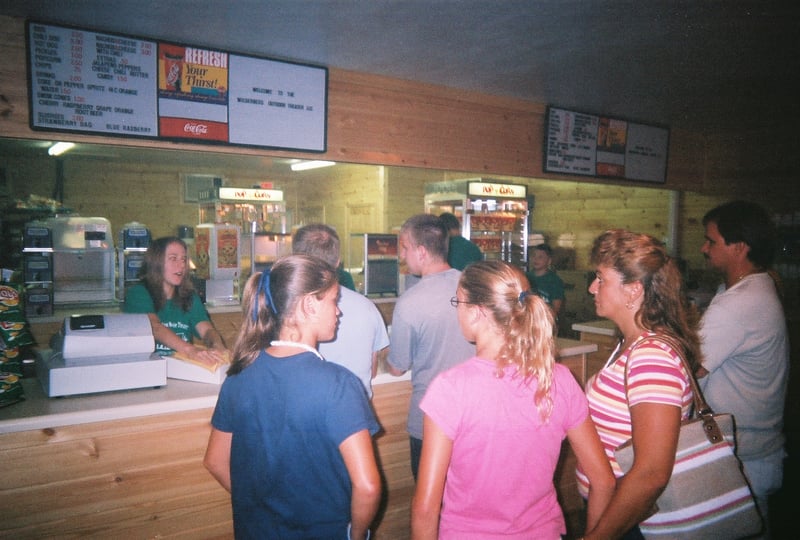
<point>101,353</point>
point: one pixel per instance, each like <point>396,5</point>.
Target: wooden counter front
<point>143,477</point>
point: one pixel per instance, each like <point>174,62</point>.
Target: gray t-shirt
<point>746,351</point>
<point>426,337</point>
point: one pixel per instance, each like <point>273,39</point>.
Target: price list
<point>85,81</point>
<point>571,142</point>
<point>589,145</point>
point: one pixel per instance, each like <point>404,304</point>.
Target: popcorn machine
<point>493,214</point>
<point>250,228</point>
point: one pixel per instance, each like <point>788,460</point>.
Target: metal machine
<point>101,353</point>
<point>262,221</point>
<point>83,260</point>
<point>494,215</point>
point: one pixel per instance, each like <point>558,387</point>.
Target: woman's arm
<point>168,338</point>
<point>588,449</point>
<point>218,457</point>
<point>427,501</point>
<point>359,458</point>
<point>656,428</point>
<point>211,338</point>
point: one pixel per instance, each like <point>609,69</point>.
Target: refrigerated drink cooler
<point>493,214</point>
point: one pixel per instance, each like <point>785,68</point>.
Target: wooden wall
<point>385,121</point>
<point>409,134</point>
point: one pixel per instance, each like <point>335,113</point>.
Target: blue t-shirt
<point>183,323</point>
<point>288,417</point>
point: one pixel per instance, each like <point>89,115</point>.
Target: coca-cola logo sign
<point>195,129</point>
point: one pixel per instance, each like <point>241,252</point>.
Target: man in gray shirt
<point>745,344</point>
<point>426,337</point>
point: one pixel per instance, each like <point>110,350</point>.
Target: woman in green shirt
<point>177,315</point>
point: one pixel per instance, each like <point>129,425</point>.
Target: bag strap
<point>701,408</point>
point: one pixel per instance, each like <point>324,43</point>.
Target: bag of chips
<point>10,388</point>
<point>14,330</point>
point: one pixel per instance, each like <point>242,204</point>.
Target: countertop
<point>573,347</point>
<point>62,312</point>
<point>601,326</point>
<point>38,411</point>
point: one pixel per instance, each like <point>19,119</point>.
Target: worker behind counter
<point>544,280</point>
<point>176,313</point>
<point>461,251</point>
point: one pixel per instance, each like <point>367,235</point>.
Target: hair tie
<point>522,296</point>
<point>263,286</point>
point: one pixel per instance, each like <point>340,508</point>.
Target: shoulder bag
<point>707,496</point>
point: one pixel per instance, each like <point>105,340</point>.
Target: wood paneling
<point>140,477</point>
<point>386,121</point>
<point>144,478</point>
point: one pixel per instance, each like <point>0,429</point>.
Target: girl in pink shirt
<point>494,424</point>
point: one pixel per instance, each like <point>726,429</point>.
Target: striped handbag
<point>707,496</point>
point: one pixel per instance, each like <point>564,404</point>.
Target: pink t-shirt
<point>500,478</point>
<point>656,375</point>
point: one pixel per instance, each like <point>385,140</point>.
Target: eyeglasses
<point>454,301</point>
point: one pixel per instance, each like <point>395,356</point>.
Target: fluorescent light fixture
<point>59,148</point>
<point>306,165</point>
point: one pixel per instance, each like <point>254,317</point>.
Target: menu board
<point>591,145</point>
<point>91,82</point>
<point>82,81</point>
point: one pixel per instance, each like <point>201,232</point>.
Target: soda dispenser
<point>134,239</point>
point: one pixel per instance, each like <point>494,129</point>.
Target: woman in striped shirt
<point>639,287</point>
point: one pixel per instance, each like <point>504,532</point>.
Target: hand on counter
<point>209,359</point>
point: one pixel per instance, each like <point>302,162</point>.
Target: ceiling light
<point>59,148</point>
<point>306,165</point>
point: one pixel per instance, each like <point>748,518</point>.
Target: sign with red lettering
<point>501,191</point>
<point>592,145</point>
<point>192,93</point>
<point>91,82</point>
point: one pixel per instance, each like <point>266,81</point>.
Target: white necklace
<point>312,350</point>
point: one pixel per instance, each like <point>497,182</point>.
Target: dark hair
<point>665,306</point>
<point>544,247</point>
<point>428,231</point>
<point>290,278</point>
<point>524,317</point>
<point>152,275</point>
<point>317,240</point>
<point>450,221</point>
<point>743,221</point>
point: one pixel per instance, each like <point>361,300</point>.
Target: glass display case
<point>494,215</point>
<point>262,220</point>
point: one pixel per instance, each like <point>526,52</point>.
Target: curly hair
<point>525,318</point>
<point>665,307</point>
